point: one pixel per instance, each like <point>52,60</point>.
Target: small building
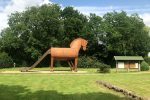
<point>149,54</point>
<point>128,62</point>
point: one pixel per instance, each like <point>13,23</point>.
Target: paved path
<point>66,72</point>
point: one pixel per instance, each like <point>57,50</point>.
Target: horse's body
<point>63,54</point>
<point>68,53</point>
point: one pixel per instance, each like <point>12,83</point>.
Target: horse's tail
<point>37,62</point>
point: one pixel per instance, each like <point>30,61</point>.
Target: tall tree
<point>38,28</point>
<point>74,24</point>
<point>125,34</point>
<point>96,37</point>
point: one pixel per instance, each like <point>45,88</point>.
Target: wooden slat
<point>38,61</point>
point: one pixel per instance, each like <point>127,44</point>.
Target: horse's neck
<point>76,45</point>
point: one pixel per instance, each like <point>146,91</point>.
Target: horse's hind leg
<point>75,64</point>
<point>69,63</point>
<point>52,63</point>
<point>72,65</point>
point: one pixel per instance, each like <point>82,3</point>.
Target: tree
<point>125,35</point>
<point>96,37</point>
<point>74,24</point>
<point>32,32</point>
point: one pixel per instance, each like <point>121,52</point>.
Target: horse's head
<point>84,43</point>
<point>77,43</point>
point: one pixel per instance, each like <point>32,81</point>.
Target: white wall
<point>120,64</point>
<point>136,65</point>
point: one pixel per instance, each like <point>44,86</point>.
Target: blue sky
<point>130,6</point>
<point>100,7</point>
<point>102,2</point>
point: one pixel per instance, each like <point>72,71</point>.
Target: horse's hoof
<point>51,70</point>
<point>75,71</point>
<point>24,69</point>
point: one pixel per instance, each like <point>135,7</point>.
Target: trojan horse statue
<point>67,54</point>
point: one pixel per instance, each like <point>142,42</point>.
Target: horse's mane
<point>74,41</point>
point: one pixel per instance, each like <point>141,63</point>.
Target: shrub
<point>91,62</point>
<point>147,59</point>
<point>104,68</point>
<point>5,60</point>
<point>88,62</point>
<point>144,66</point>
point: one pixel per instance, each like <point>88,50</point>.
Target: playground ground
<point>66,85</point>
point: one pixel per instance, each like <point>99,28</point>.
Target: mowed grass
<point>53,87</point>
<point>138,83</point>
<point>71,86</point>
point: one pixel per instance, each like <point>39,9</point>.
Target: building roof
<point>128,58</point>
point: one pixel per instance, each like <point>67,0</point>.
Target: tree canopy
<point>35,30</point>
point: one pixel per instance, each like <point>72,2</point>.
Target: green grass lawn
<point>53,87</point>
<point>71,86</point>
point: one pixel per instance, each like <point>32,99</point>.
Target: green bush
<point>91,62</point>
<point>104,68</point>
<point>88,62</point>
<point>147,59</point>
<point>5,60</point>
<point>144,66</point>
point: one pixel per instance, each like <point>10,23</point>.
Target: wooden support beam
<point>116,66</point>
<point>139,65</point>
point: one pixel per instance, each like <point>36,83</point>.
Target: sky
<point>99,7</point>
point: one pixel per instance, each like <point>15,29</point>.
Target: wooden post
<point>116,66</point>
<point>139,65</point>
<point>128,66</point>
<point>14,64</point>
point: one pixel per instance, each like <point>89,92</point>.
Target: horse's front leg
<point>52,64</point>
<point>75,64</point>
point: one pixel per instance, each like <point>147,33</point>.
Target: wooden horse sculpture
<point>68,53</point>
<point>63,54</point>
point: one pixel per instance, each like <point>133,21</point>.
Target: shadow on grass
<point>18,92</point>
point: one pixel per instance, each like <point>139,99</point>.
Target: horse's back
<point>64,52</point>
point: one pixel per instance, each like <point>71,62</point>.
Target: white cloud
<point>16,5</point>
<point>97,10</point>
<point>103,10</point>
<point>146,18</point>
<point>46,2</point>
<point>20,5</point>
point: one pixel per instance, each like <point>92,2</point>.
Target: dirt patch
<point>46,72</point>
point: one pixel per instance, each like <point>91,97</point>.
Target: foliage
<point>88,62</point>
<point>5,60</point>
<point>74,25</point>
<point>125,35</point>
<point>34,31</point>
<point>144,66</point>
<point>96,37</point>
<point>104,68</point>
<point>147,60</point>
